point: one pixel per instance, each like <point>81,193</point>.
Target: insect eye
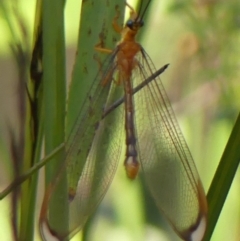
<point>134,24</point>
<point>130,23</point>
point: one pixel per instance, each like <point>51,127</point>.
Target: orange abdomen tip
<point>132,167</point>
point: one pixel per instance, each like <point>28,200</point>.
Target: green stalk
<point>223,178</point>
<point>54,90</point>
<point>95,28</point>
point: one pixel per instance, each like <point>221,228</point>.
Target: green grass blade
<point>54,89</point>
<point>28,214</point>
<point>95,27</point>
<point>223,178</point>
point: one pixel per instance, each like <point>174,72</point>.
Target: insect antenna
<point>144,11</point>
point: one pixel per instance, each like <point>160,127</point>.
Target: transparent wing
<point>92,154</point>
<point>167,164</point>
<point>99,169</point>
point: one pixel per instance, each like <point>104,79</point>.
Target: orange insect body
<point>126,62</point>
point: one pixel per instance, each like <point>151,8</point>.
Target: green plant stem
<point>223,178</point>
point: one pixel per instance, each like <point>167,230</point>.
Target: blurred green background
<point>200,40</point>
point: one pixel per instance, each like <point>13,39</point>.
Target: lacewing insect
<point>153,140</point>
